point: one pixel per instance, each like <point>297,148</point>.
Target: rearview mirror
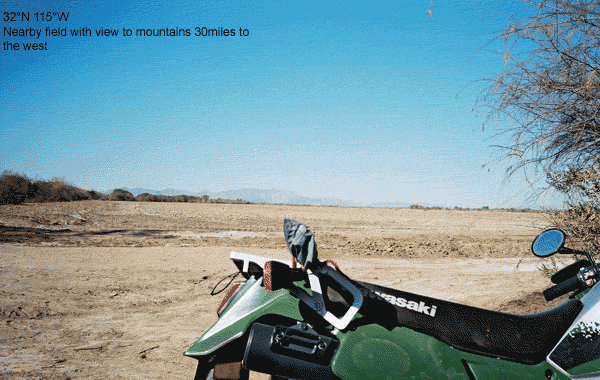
<point>548,242</point>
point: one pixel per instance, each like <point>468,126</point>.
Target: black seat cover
<point>520,338</point>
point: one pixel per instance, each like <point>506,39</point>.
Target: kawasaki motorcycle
<point>313,322</point>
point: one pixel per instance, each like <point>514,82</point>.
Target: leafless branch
<point>546,102</point>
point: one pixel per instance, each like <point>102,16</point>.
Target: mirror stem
<point>569,251</point>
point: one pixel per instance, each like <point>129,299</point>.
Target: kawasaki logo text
<point>419,307</point>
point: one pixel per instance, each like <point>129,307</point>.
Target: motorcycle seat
<point>525,339</point>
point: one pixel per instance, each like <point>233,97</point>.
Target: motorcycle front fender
<point>251,303</point>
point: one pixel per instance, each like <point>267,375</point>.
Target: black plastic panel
<point>579,347</point>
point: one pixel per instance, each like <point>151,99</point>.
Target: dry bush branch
<point>546,102</point>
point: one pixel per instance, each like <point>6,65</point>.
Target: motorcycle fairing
<point>578,352</point>
<point>523,339</point>
<point>371,351</point>
<point>235,320</point>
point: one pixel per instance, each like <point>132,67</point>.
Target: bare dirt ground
<point>119,290</point>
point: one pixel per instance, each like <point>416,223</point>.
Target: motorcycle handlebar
<point>564,287</point>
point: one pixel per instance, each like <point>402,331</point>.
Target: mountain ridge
<point>270,196</point>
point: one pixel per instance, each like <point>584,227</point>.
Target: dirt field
<point>119,290</point>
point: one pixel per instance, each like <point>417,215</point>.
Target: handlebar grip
<point>564,287</point>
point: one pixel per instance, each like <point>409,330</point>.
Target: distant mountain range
<point>272,196</point>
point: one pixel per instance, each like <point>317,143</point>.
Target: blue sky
<point>362,101</point>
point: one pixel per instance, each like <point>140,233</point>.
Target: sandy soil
<point>118,290</point>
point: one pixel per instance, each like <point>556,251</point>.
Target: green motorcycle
<point>313,322</point>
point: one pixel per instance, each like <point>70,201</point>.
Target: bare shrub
<point>56,190</point>
<point>63,192</point>
<point>581,221</point>
<point>41,191</point>
<point>146,197</point>
<point>582,225</point>
<point>97,195</point>
<point>13,188</point>
<point>121,195</point>
<point>18,188</point>
<point>546,104</point>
